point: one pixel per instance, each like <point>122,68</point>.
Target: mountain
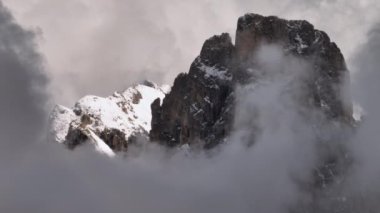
<point>110,123</point>
<point>199,109</point>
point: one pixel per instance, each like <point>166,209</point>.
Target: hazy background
<point>97,46</point>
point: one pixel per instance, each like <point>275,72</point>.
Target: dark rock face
<point>199,108</point>
<point>199,100</point>
<point>298,38</point>
<point>74,138</point>
<point>115,139</point>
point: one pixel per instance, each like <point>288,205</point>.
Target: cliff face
<point>199,108</point>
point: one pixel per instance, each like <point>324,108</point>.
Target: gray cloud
<point>22,86</point>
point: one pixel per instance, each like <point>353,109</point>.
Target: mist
<point>249,173</point>
<point>363,183</point>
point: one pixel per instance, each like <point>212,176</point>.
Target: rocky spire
<point>198,100</point>
<point>199,108</point>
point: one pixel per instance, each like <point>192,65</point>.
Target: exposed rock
<point>115,139</point>
<point>75,137</point>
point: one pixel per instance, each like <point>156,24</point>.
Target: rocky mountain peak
<point>217,51</point>
<point>199,111</point>
<point>199,108</point>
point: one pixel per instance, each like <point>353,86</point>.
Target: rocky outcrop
<point>199,108</point>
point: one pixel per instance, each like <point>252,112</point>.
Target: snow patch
<point>358,112</point>
<point>142,114</point>
<point>60,120</point>
<point>215,72</point>
<point>105,112</point>
<point>100,146</point>
<point>301,45</point>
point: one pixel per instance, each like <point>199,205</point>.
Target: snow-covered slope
<point>109,121</point>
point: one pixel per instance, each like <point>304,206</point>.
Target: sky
<point>98,47</point>
<point>56,51</point>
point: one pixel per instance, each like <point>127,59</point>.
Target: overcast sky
<point>97,46</point>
